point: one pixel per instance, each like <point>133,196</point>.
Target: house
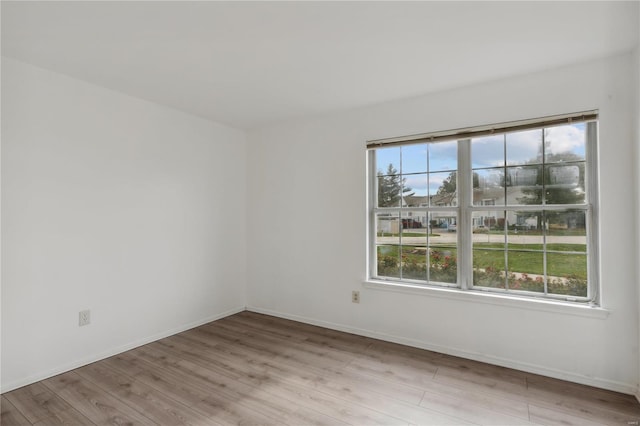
<point>438,219</point>
<point>166,164</point>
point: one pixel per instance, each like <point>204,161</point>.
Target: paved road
<point>451,238</point>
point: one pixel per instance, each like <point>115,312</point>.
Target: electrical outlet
<point>84,318</point>
<point>355,296</point>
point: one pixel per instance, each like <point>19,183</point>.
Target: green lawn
<point>550,247</point>
<point>406,234</point>
<point>558,265</point>
<point>581,232</point>
<point>521,257</point>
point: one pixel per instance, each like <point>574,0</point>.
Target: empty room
<point>336,213</point>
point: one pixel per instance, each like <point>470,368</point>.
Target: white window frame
<point>465,208</point>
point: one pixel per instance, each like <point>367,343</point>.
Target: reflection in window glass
<point>564,184</point>
<point>522,176</point>
<point>488,184</point>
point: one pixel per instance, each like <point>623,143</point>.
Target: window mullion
<point>593,278</point>
<point>465,198</point>
<point>373,202</point>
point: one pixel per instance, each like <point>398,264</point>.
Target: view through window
<point>506,211</point>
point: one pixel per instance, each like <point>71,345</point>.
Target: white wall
<point>637,126</point>
<point>306,227</point>
<point>117,205</point>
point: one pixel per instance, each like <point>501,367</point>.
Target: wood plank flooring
<point>253,369</point>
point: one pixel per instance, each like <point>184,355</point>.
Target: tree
<point>449,185</point>
<point>561,180</point>
<point>391,187</point>
<point>565,192</point>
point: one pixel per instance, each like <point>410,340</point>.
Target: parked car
<point>411,224</point>
<point>452,227</point>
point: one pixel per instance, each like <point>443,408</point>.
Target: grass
<point>564,247</point>
<point>406,234</point>
<point>522,258</point>
<point>558,265</point>
<point>552,232</point>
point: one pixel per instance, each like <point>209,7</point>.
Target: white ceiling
<point>249,64</point>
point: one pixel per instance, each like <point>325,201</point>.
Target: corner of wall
<point>636,114</point>
<point>152,231</point>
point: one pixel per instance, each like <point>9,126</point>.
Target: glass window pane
<point>388,261</point>
<point>415,191</point>
<point>567,230</point>
<point>388,161</point>
<point>524,147</point>
<point>389,191</point>
<point>488,268</point>
<point>414,159</point>
<point>565,143</point>
<point>488,226</point>
<point>443,156</point>
<point>388,245</point>
<point>524,185</point>
<point>414,245</point>
<point>488,187</point>
<point>488,238</point>
<point>525,230</point>
<point>443,223</point>
<point>443,252</point>
<point>443,264</point>
<point>443,189</point>
<point>414,224</point>
<point>414,262</point>
<point>487,151</point>
<point>525,176</point>
<point>387,228</point>
<point>526,269</point>
<point>567,274</point>
<point>564,184</point>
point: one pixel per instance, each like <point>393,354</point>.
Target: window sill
<point>544,305</point>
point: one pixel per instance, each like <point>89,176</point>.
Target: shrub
<point>493,277</point>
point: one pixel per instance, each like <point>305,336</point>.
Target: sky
<point>425,166</point>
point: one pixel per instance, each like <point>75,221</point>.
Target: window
<point>506,208</point>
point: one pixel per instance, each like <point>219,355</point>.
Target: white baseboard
<point>111,352</point>
<point>615,386</point>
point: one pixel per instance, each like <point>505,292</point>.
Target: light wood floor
<point>256,369</point>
